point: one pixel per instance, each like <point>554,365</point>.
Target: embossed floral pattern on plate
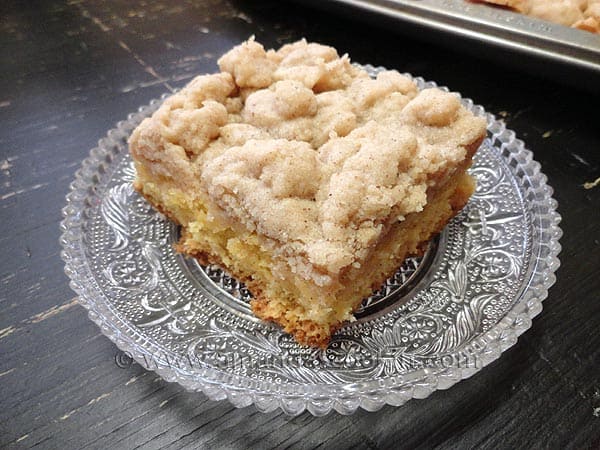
<point>440,319</point>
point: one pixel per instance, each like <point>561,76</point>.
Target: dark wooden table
<point>71,69</point>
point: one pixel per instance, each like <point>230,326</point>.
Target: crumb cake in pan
<point>581,14</point>
<point>305,178</point>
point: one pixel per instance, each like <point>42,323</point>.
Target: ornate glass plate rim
<point>319,398</point>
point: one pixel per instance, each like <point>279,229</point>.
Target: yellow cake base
<point>285,300</point>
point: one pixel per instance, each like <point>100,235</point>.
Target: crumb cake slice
<point>305,178</point>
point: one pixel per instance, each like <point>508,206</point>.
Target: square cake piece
<point>305,178</point>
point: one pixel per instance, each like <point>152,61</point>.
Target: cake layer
<point>288,300</point>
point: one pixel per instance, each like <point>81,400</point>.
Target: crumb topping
<point>307,150</point>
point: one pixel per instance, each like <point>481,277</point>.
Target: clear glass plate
<point>440,319</point>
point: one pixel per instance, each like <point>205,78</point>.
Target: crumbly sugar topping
<point>308,150</point>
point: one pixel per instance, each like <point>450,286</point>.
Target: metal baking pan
<point>575,50</point>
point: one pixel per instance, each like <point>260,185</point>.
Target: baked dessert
<point>306,179</point>
<point>581,14</point>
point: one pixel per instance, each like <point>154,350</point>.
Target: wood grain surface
<point>71,69</point>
